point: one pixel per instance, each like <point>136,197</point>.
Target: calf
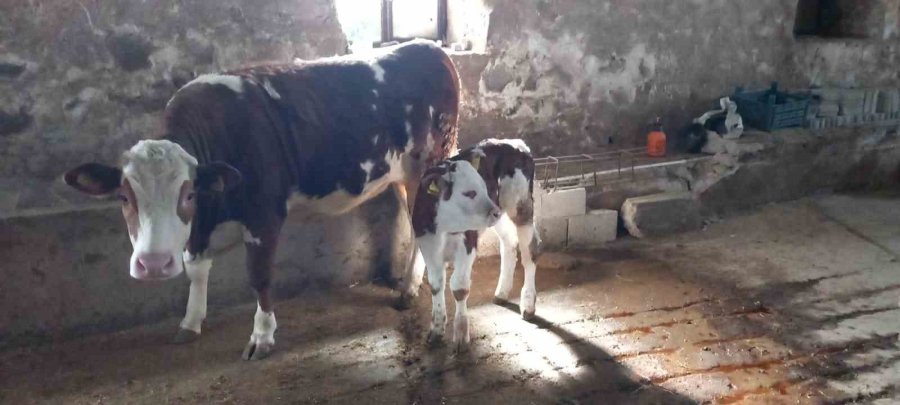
<point>447,233</point>
<point>247,145</point>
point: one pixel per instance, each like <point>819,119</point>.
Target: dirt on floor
<point>794,303</point>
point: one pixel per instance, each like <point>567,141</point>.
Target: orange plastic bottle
<point>656,140</point>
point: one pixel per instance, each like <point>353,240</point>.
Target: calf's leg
<point>261,244</point>
<point>529,247</point>
<point>460,285</point>
<point>432,248</point>
<point>506,232</point>
<point>197,270</point>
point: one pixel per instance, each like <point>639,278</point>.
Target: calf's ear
<point>217,176</point>
<point>94,179</point>
<point>436,184</point>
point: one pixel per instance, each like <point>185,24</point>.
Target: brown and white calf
<point>450,214</point>
<point>247,145</point>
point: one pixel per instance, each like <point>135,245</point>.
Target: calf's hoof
<point>528,316</point>
<point>462,347</point>
<point>500,301</point>
<point>257,351</point>
<point>185,336</point>
<point>435,339</point>
<point>527,304</point>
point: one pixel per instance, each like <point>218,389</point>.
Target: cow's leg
<point>460,285</point>
<point>506,232</point>
<point>261,243</point>
<point>414,269</point>
<point>529,247</point>
<point>197,270</point>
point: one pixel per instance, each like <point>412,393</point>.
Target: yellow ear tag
<point>433,189</point>
<point>476,161</point>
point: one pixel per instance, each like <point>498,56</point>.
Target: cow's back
<point>320,128</point>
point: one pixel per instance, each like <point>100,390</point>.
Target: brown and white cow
<point>449,216</point>
<point>247,145</point>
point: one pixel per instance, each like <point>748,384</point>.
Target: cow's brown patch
<point>432,188</point>
<point>524,212</point>
<point>129,208</point>
<point>470,241</point>
<point>460,294</point>
<point>434,290</point>
<point>535,246</point>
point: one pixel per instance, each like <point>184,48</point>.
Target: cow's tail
<point>446,118</point>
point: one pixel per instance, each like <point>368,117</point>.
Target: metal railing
<point>596,169</point>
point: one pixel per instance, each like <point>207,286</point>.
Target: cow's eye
<point>190,196</point>
<point>470,194</point>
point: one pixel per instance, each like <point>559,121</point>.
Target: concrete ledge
<point>554,232</point>
<point>593,229</point>
<point>562,203</point>
<point>661,214</point>
<point>67,273</point>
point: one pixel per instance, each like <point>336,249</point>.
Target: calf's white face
<point>469,207</point>
<point>157,185</point>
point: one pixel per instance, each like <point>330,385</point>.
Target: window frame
<point>387,23</point>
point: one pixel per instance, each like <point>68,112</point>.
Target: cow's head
<point>158,185</point>
<point>463,203</point>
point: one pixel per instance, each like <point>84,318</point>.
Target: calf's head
<point>460,198</point>
<point>158,184</point>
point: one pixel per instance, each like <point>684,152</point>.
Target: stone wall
<point>83,80</point>
<point>574,76</point>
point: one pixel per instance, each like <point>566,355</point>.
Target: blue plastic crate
<point>770,110</point>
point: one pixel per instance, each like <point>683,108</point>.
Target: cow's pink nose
<point>155,265</point>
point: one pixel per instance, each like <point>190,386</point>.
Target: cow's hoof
<point>500,301</point>
<point>528,316</point>
<point>185,336</point>
<point>434,339</point>
<point>404,302</point>
<point>257,351</point>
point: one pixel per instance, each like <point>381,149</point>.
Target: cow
<point>250,144</point>
<point>453,208</point>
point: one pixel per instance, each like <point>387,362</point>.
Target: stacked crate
<point>853,107</point>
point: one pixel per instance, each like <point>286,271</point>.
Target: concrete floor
<point>794,303</point>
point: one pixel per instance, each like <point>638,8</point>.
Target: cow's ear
<point>217,176</point>
<point>94,179</point>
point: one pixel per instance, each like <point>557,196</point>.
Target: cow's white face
<point>465,204</point>
<point>157,185</point>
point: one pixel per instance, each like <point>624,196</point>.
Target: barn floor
<point>794,303</point>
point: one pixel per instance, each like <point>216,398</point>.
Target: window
<point>371,23</point>
<point>839,18</point>
<point>402,20</point>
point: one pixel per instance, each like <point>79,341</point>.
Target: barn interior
<point>760,266</point>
